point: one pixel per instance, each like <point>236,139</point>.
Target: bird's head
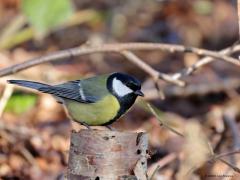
<point>122,85</point>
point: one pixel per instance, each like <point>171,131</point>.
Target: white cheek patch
<point>120,89</point>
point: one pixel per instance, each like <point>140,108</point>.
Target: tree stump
<point>107,155</point>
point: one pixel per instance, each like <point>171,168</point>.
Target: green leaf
<point>44,15</point>
<point>203,7</point>
<point>20,103</point>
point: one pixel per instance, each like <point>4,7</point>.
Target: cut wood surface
<point>107,155</point>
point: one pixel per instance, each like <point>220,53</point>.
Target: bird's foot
<point>110,128</point>
<point>86,125</point>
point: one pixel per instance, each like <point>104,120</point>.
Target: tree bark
<point>107,155</point>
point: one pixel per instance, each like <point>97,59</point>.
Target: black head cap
<point>121,84</point>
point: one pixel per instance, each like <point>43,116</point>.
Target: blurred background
<point>34,130</point>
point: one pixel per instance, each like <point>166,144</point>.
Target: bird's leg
<point>86,125</point>
<point>110,128</point>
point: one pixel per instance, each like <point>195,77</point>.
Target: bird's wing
<point>84,91</point>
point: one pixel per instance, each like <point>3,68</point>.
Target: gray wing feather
<point>84,91</point>
<point>69,90</point>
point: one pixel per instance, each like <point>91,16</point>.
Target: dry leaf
<point>196,150</point>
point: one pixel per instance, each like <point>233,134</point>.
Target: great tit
<point>95,101</point>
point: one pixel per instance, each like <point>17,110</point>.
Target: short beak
<point>139,93</point>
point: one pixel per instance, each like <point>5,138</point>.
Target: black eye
<point>132,85</point>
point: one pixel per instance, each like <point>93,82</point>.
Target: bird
<point>94,101</point>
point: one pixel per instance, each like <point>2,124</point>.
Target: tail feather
<point>29,84</point>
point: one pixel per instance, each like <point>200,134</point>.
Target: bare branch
<point>155,74</point>
<point>237,151</point>
<point>115,48</point>
<point>206,60</point>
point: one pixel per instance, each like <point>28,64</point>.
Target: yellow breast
<point>94,114</point>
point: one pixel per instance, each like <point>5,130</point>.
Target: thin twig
<point>154,172</point>
<point>155,74</point>
<point>219,157</point>
<point>161,163</point>
<point>159,90</point>
<point>235,168</point>
<point>206,60</point>
<point>115,48</point>
<point>162,122</point>
<point>5,97</point>
<point>237,151</point>
<point>200,89</point>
